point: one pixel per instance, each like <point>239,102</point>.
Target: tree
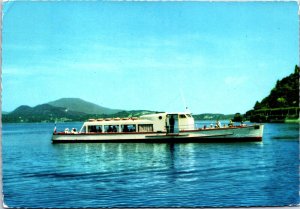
<point>237,117</point>
<point>296,69</point>
<point>281,101</point>
<point>257,105</point>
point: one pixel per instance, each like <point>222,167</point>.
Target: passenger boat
<point>155,128</point>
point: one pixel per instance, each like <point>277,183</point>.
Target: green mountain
<point>79,105</point>
<point>66,109</point>
<point>281,104</point>
<point>40,113</point>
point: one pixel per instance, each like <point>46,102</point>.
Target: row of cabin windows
<point>118,128</point>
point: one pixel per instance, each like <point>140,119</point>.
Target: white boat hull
<point>229,134</point>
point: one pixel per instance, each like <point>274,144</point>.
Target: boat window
<point>99,129</point>
<point>128,128</point>
<point>92,129</point>
<point>83,129</point>
<point>188,115</point>
<point>111,128</point>
<point>182,116</point>
<point>145,127</point>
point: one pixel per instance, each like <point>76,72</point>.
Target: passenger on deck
<point>109,129</point>
<point>114,129</point>
<point>242,124</point>
<point>230,123</point>
<point>218,124</point>
<point>99,129</point>
<point>125,129</point>
<point>93,129</point>
<point>132,129</point>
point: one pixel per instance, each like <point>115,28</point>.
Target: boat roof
<point>120,121</point>
<point>179,113</point>
<point>133,120</point>
<point>168,113</point>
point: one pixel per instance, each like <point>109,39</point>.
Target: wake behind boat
<point>157,128</point>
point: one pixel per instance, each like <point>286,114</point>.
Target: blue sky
<point>212,57</point>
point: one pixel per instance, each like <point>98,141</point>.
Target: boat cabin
<point>158,122</point>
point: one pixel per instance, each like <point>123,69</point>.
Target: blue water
<point>37,173</point>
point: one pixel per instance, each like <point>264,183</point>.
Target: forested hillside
<point>281,104</point>
<point>284,94</point>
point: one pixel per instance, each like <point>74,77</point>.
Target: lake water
<point>37,173</point>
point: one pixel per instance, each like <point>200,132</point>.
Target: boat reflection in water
<point>106,159</point>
